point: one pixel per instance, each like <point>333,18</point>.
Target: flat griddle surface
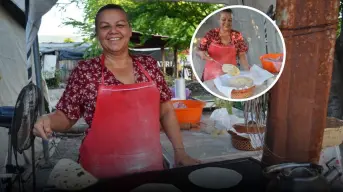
<point>249,168</point>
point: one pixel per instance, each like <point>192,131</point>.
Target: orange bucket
<point>273,67</point>
<point>191,114</point>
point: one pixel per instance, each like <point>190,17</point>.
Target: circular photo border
<point>283,47</point>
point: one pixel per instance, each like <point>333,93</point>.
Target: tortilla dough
<point>215,178</point>
<point>152,187</point>
<point>241,82</point>
<point>230,69</point>
<point>69,175</point>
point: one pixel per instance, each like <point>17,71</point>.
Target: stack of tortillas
<point>69,175</point>
<point>241,82</point>
<point>230,69</point>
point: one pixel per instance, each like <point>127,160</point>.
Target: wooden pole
<point>298,102</point>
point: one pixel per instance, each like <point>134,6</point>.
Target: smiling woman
<point>221,46</point>
<point>124,98</point>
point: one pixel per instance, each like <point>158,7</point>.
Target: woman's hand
<point>183,159</point>
<point>204,56</point>
<point>42,127</point>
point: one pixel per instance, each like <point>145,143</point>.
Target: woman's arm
<point>168,117</point>
<point>244,61</point>
<point>172,129</point>
<point>68,109</point>
<point>171,126</point>
<point>53,122</point>
<point>242,49</point>
<point>59,121</point>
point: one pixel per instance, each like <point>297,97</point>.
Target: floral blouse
<point>213,36</point>
<point>80,95</point>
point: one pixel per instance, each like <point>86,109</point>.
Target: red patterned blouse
<point>213,36</point>
<point>80,95</point>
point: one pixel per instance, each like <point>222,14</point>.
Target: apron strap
<point>102,61</point>
<point>144,71</point>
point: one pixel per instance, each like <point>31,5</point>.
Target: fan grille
<point>25,115</point>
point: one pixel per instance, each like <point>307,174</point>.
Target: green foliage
<point>169,80</point>
<point>219,103</point>
<point>53,83</point>
<point>177,20</point>
<point>238,105</point>
<point>68,40</point>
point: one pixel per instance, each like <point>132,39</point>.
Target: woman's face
<point>114,31</point>
<point>225,21</point>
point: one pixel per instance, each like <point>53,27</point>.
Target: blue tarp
<point>70,55</point>
<point>67,51</point>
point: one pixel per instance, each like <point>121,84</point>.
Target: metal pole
<point>298,102</point>
<point>38,69</point>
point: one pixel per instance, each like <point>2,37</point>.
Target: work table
<point>205,147</point>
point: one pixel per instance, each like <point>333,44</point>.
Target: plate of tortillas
<point>240,82</point>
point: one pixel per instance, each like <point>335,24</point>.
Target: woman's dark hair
<point>108,7</point>
<point>227,11</point>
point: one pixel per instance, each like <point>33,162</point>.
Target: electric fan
<point>21,137</point>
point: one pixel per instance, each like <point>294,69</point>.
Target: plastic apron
<point>125,133</point>
<point>222,54</point>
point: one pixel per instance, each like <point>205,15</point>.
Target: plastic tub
<point>272,67</point>
<point>192,113</point>
<point>6,115</point>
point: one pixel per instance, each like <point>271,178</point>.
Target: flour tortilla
<point>230,69</point>
<point>156,187</point>
<point>215,178</point>
<point>69,175</point>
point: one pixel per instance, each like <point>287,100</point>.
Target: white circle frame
<point>283,47</point>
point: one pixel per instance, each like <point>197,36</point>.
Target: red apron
<point>125,134</point>
<point>224,55</point>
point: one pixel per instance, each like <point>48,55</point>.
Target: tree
<point>68,40</point>
<point>177,20</point>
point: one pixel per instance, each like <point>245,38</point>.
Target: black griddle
<point>249,168</point>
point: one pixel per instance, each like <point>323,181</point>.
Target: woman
<point>124,99</point>
<point>222,46</point>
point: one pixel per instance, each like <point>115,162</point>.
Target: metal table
<point>205,147</point>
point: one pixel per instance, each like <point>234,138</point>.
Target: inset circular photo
<point>237,53</point>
